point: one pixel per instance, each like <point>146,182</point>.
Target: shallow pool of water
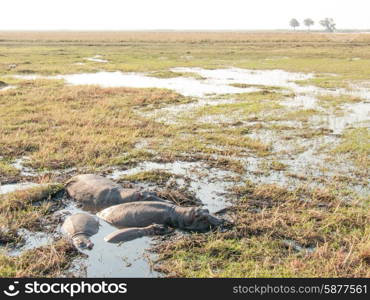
<point>184,86</point>
<point>301,101</point>
<point>24,171</point>
<point>31,240</point>
<point>355,114</point>
<point>8,188</point>
<point>97,58</point>
<point>216,82</point>
<point>276,78</point>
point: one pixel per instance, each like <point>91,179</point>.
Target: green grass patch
<point>356,143</point>
<point>7,170</point>
<point>171,74</point>
<point>302,115</point>
<point>239,110</point>
<point>277,166</point>
<point>157,176</point>
<point>131,158</point>
<point>329,101</point>
<point>265,94</point>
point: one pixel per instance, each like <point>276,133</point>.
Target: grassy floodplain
<point>299,192</point>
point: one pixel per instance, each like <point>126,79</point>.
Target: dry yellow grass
<point>18,210</point>
<point>278,233</point>
<point>182,36</point>
<point>47,261</point>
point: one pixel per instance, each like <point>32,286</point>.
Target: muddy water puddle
<point>301,101</point>
<point>184,86</point>
<point>274,78</point>
<point>8,188</point>
<point>31,241</point>
<point>357,114</point>
<point>19,164</point>
<point>97,58</point>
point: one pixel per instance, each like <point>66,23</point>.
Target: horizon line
<point>181,30</point>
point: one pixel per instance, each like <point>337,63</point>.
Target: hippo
<point>79,227</point>
<point>129,234</point>
<point>144,213</point>
<point>97,192</point>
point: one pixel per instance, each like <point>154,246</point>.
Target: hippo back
<point>80,223</point>
<point>137,214</point>
<point>95,192</point>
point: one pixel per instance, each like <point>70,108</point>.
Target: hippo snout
<point>201,220</point>
<point>214,221</point>
<point>83,242</point>
<point>89,245</point>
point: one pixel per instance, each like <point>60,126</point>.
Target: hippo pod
<point>79,227</point>
<point>97,192</point>
<point>143,214</point>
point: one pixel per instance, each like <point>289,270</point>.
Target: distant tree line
<point>327,23</point>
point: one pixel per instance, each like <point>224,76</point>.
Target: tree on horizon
<point>294,23</point>
<point>308,22</point>
<point>329,24</point>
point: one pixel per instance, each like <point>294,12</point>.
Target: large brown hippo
<point>79,227</point>
<point>143,214</point>
<point>97,192</point>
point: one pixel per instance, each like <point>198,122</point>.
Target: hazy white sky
<point>177,14</point>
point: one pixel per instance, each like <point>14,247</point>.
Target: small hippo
<point>79,227</point>
<point>97,192</point>
<point>143,213</point>
<point>129,234</point>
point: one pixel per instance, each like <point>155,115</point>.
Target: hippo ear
<point>198,213</point>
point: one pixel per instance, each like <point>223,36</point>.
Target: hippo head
<point>81,241</point>
<point>198,219</point>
